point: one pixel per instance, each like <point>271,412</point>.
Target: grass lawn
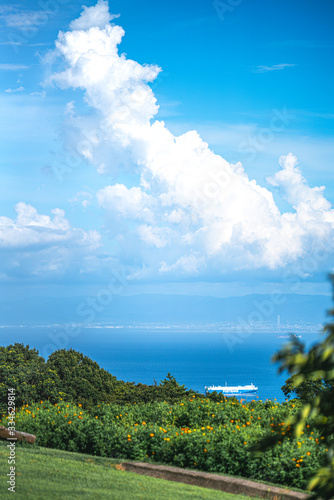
<point>52,474</point>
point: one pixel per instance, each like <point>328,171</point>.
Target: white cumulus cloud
<point>43,244</point>
<point>97,16</point>
<point>201,211</point>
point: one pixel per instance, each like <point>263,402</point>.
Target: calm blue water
<point>196,359</point>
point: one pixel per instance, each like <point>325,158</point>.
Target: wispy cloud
<point>10,91</point>
<point>315,114</point>
<point>21,20</point>
<point>275,67</point>
<point>303,44</point>
<point>11,43</point>
<point>12,67</point>
<point>15,17</point>
<point>40,94</point>
<point>5,9</point>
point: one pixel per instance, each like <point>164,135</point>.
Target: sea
<point>197,357</point>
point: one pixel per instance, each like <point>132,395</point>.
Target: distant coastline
<point>284,330</point>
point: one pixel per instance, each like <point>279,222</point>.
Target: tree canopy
<point>312,380</point>
<point>74,377</point>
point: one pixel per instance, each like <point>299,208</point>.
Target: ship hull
<point>233,391</point>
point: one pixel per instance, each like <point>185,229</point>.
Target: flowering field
<point>194,433</point>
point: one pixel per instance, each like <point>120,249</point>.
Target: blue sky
<point>200,178</point>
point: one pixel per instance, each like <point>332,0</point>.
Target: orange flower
<point>308,453</point>
<point>70,421</point>
<point>151,434</point>
<point>205,450</point>
<point>144,423</point>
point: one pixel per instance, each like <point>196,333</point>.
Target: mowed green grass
<point>43,473</point>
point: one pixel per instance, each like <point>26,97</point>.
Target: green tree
<point>306,390</point>
<point>82,380</point>
<point>22,369</point>
<point>312,379</point>
<point>171,389</point>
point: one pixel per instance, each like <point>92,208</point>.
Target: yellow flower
<point>151,435</point>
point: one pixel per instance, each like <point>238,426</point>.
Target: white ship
<point>233,390</point>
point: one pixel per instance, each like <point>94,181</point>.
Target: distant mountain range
<point>169,309</point>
